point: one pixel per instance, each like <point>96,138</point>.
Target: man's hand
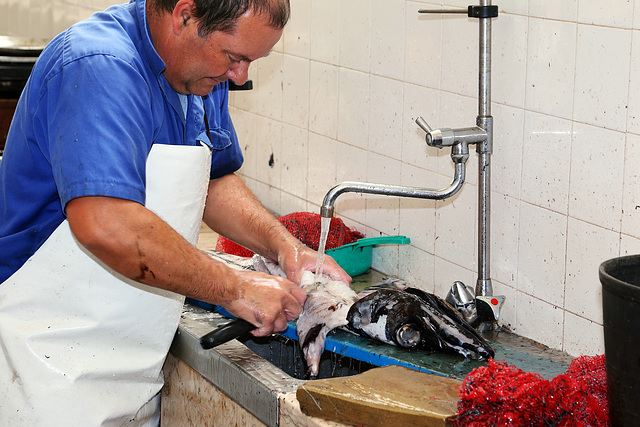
<point>266,301</point>
<point>297,259</point>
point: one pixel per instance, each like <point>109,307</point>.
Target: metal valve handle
<point>439,138</point>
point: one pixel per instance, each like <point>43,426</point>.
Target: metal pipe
<point>465,11</point>
<point>327,208</point>
<point>484,120</point>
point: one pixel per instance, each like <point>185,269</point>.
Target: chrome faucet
<point>459,155</point>
<point>446,137</point>
<point>459,140</point>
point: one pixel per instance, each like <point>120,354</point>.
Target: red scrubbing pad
<point>501,395</point>
<point>306,227</point>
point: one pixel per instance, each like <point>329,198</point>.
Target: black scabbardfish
<point>412,318</point>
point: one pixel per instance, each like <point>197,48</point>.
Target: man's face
<point>197,64</point>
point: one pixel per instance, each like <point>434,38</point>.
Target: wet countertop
<point>234,369</point>
<point>515,350</point>
<point>257,385</point>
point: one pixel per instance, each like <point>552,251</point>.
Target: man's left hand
<point>300,258</point>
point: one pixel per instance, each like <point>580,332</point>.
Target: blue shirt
<point>94,104</point>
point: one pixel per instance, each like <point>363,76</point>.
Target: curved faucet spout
<point>327,208</point>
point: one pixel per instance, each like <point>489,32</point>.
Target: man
<point>121,144</point>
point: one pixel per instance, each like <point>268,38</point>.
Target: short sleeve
<point>100,130</point>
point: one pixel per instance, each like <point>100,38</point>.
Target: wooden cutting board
<point>391,396</point>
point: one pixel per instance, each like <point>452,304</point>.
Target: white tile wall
<point>551,68</point>
<point>423,57</point>
<point>323,107</point>
<point>631,195</point>
<point>385,116</point>
<point>354,43</point>
<point>541,253</point>
<point>583,291</point>
<point>325,38</point>
<point>43,19</point>
<point>539,320</point>
<point>618,13</point>
<point>296,41</point>
<point>597,170</point>
<point>295,91</point>
<point>546,161</point>
<point>509,68</point>
<point>566,93</point>
<point>633,115</point>
<point>338,98</point>
<point>380,210</point>
<point>353,107</point>
<point>387,43</point>
<point>602,76</point>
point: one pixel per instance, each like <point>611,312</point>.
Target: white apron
<point>81,344</point>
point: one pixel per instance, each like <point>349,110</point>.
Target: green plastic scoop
<point>355,258</point>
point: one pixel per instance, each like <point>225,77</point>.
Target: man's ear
<point>182,15</point>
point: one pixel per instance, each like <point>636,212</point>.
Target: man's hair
<point>222,15</point>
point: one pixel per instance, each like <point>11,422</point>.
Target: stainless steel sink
<point>254,372</point>
<point>285,354</point>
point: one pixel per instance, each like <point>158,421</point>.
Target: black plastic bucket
<point>620,278</point>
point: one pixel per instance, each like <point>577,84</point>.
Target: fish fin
<point>480,347</point>
<point>447,309</point>
<point>431,340</point>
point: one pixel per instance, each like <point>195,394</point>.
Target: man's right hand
<point>266,301</point>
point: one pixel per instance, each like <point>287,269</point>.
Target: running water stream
<point>325,223</point>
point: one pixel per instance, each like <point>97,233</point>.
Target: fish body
<point>326,307</point>
<point>412,318</point>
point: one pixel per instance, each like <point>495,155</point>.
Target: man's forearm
<point>138,244</point>
<point>234,212</point>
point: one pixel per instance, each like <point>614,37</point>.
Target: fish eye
<point>406,336</point>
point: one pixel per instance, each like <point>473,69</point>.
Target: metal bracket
<point>472,11</point>
<point>483,11</point>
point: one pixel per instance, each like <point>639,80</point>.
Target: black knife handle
<point>225,333</point>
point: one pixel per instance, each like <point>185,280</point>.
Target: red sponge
<point>501,395</point>
<point>306,227</point>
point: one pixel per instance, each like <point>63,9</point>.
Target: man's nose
<point>239,73</point>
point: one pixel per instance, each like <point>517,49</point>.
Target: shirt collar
<point>155,62</point>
